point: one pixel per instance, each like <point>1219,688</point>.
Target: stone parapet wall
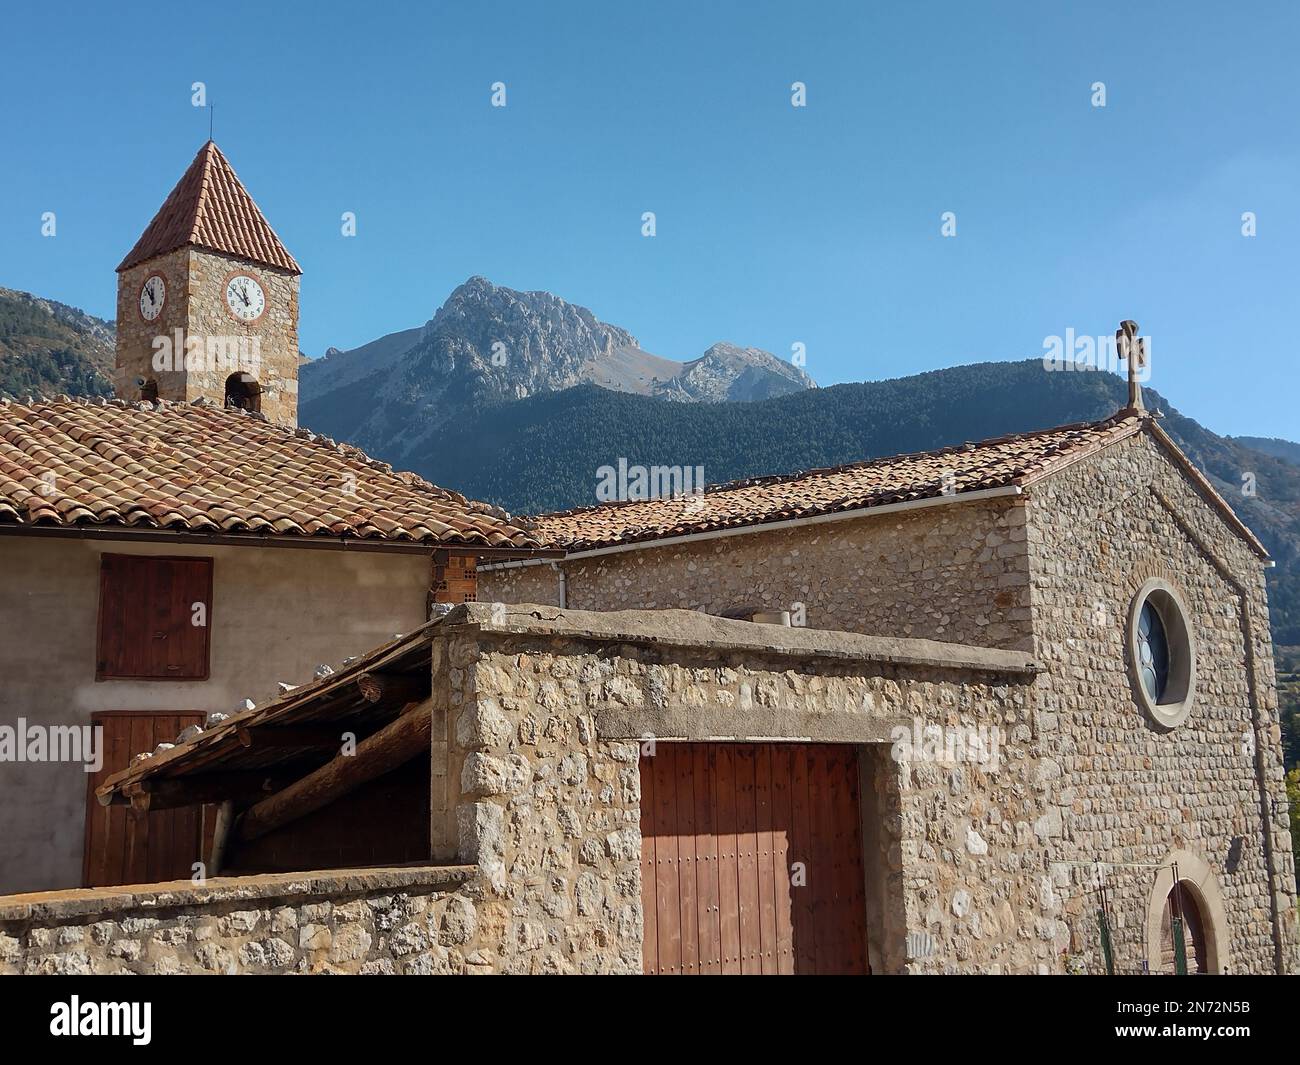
<point>384,921</point>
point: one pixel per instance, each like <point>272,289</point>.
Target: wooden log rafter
<point>392,746</point>
<point>292,735</point>
<point>164,794</point>
<point>400,688</point>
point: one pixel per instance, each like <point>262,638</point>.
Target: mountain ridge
<point>489,343</point>
<point>47,346</point>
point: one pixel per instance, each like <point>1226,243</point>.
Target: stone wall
<point>548,810</point>
<point>277,329</point>
<point>956,572</point>
<point>552,705</point>
<point>972,864</point>
<point>536,799</point>
<point>1055,571</point>
<point>381,921</point>
<point>1120,787</point>
<point>135,336</point>
<point>195,304</point>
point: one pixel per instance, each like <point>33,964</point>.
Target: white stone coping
<point>693,629</point>
<point>103,903</point>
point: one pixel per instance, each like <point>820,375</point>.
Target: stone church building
<point>1007,707</point>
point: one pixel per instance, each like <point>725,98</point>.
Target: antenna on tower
<point>212,111</point>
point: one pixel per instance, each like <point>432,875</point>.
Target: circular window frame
<point>1179,697</point>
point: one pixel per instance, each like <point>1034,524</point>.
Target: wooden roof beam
<point>393,745</point>
<point>168,793</point>
<point>397,688</point>
<point>322,736</point>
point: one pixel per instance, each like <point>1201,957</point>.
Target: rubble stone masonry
<point>953,572</point>
<point>1054,571</point>
<point>1118,786</point>
<point>536,811</point>
<point>195,304</point>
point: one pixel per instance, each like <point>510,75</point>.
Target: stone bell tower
<point>207,301</point>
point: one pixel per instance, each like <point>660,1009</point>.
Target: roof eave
<point>292,270</point>
<point>338,543</point>
<point>877,510</point>
<point>1207,487</point>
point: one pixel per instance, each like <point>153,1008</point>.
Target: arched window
<point>243,392</point>
<point>149,391</point>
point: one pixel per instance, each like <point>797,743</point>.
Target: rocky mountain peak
<point>488,343</point>
<point>730,372</point>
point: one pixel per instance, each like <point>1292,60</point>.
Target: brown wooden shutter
<point>123,847</point>
<point>146,628</point>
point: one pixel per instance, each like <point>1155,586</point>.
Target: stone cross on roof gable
<point>1133,348</point>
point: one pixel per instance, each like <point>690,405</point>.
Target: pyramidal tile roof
<point>202,469</point>
<point>210,208</point>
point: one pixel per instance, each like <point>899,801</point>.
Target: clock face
<point>153,294</point>
<point>244,297</point>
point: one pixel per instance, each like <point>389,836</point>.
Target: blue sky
<point>775,224</point>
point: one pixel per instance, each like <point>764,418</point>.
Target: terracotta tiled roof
<point>210,208</point>
<point>1002,462</point>
<point>207,470</point>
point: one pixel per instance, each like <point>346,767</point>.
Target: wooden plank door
<point>122,847</point>
<point>751,859</point>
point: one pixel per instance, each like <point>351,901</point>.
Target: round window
<point>1161,653</point>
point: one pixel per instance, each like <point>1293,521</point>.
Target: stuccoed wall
<point>956,572</point>
<point>261,596</point>
<point>1120,787</point>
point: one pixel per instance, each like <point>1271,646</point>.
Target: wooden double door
<point>751,859</point>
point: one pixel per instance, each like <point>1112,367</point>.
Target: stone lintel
<point>761,725</point>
